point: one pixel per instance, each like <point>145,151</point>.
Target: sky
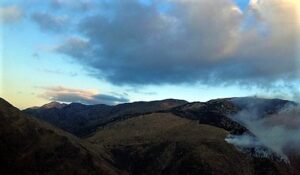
<point>114,51</point>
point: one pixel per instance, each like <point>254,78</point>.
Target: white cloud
<point>86,96</point>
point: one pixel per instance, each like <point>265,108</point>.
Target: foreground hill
<point>28,146</point>
<point>81,119</point>
<point>163,143</point>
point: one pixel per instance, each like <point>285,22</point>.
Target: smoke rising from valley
<point>279,131</point>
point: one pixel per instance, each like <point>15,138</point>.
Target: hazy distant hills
<point>168,137</point>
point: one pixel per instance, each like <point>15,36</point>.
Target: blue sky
<point>121,51</point>
<point>242,4</point>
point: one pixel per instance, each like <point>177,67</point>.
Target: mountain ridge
<point>186,139</point>
<point>79,118</point>
<point>82,120</point>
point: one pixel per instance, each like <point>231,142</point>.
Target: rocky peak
<point>54,104</point>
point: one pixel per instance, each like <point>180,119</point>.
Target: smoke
<point>253,146</point>
<point>279,131</point>
<point>245,140</point>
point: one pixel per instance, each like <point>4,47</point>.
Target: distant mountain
<point>260,106</point>
<point>81,119</point>
<point>53,104</point>
<point>32,147</point>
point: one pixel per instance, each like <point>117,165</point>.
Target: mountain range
<point>168,137</point>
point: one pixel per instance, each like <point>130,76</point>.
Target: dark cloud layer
<point>70,95</point>
<point>206,41</point>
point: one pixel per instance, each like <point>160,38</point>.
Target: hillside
<point>81,119</point>
<point>163,143</point>
<point>32,147</point>
<point>166,137</point>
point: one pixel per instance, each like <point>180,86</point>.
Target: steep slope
<point>163,143</point>
<point>28,146</point>
<point>82,119</point>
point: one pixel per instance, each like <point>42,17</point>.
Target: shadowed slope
<point>28,146</point>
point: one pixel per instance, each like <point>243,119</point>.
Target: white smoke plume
<point>251,145</point>
<point>279,132</point>
<point>244,140</point>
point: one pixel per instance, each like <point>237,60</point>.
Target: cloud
<point>52,23</point>
<point>138,44</point>
<point>189,41</point>
<point>70,95</point>
<point>10,14</point>
<point>81,5</point>
<point>75,47</point>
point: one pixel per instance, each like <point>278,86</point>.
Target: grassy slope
<point>81,120</point>
<point>28,146</point>
<point>158,143</point>
<point>162,143</point>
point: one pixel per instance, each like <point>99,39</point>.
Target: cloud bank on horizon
<point>71,95</point>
